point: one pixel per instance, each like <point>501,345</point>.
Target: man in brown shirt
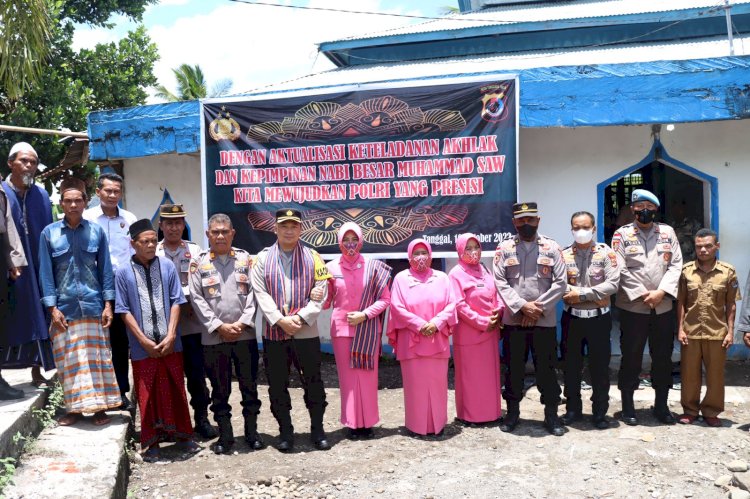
<point>706,307</point>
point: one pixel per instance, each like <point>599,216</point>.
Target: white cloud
<point>163,3</point>
<point>257,45</point>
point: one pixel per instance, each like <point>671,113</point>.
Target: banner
<point>426,160</point>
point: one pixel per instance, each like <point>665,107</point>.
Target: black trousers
<point>635,330</point>
<point>118,341</point>
<point>219,360</point>
<point>543,344</point>
<point>591,334</point>
<point>195,372</point>
<point>279,356</point>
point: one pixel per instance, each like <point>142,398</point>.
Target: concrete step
<point>81,461</point>
<point>17,416</point>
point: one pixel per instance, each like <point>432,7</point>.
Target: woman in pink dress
<point>422,315</point>
<point>476,356</point>
<point>359,293</point>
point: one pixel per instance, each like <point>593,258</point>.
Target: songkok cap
<point>168,210</point>
<point>644,195</point>
<point>142,225</point>
<point>73,184</point>
<point>22,147</point>
<point>288,214</point>
<point>525,210</point>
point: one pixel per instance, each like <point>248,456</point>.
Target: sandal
<point>152,454</point>
<point>101,418</point>
<point>69,419</point>
<point>189,446</point>
<point>687,419</point>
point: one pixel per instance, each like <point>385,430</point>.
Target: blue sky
<point>250,44</point>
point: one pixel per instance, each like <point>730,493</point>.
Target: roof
<point>668,91</point>
<point>570,25</point>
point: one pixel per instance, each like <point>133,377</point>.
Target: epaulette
<point>725,265</point>
<point>689,265</point>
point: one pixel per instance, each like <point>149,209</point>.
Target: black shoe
<point>7,392</point>
<point>600,422</point>
<point>222,447</point>
<point>126,405</point>
<point>354,434</point>
<point>571,417</point>
<point>254,441</point>
<point>320,442</point>
<point>554,426</point>
<point>366,433</point>
<point>509,422</point>
<point>665,416</point>
<point>286,444</point>
<point>204,429</point>
<point>628,409</point>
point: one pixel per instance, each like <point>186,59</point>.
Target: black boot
<point>226,437</point>
<point>661,408</point>
<point>552,423</point>
<point>203,427</point>
<point>510,421</point>
<point>628,408</point>
<point>252,438</point>
<point>7,392</point>
<point>317,434</point>
<point>571,417</point>
<point>286,432</point>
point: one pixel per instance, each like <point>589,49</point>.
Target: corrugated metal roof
<point>572,12</point>
<point>552,61</point>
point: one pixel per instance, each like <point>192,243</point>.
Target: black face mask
<point>526,231</point>
<point>645,216</point>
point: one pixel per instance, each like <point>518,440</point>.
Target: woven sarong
<point>84,365</point>
<point>160,391</point>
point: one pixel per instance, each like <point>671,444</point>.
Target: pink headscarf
<point>474,268</point>
<point>350,254</point>
<point>419,268</point>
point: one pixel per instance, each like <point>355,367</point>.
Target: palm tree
<point>25,30</point>
<point>191,85</point>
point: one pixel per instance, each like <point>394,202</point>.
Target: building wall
<point>559,167</point>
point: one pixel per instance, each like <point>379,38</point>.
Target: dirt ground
<point>649,460</point>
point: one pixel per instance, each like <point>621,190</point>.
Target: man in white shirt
<point>116,222</point>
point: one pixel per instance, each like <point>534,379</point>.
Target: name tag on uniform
<point>184,265</point>
<point>338,276</point>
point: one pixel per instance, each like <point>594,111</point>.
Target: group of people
<point>109,290</point>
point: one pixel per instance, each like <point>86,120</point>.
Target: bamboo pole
<point>43,131</point>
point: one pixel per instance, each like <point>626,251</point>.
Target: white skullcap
<point>22,147</point>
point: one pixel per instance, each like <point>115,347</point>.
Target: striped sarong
<point>84,365</point>
<point>366,344</point>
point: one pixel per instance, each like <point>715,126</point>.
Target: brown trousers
<point>695,354</point>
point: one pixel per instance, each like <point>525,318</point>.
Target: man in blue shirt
<point>75,276</point>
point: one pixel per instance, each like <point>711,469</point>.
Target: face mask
<point>526,231</point>
<point>645,216</point>
<point>582,236</point>
<point>350,248</point>
<point>472,257</point>
<point>420,263</point>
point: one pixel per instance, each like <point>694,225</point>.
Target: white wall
<point>145,181</point>
<point>560,168</point>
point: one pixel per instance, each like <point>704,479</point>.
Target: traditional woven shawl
<point>366,344</point>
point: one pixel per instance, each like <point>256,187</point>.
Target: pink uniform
<point>421,296</point>
<point>476,355</point>
<point>358,385</point>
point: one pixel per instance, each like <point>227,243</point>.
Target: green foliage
<point>74,83</point>
<point>191,85</point>
<point>7,471</point>
<point>55,400</point>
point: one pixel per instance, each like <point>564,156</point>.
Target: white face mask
<point>583,236</point>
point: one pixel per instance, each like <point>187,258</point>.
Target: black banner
<point>429,161</point>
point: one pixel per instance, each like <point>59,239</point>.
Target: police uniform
<point>649,260</point>
<point>593,271</point>
<point>191,327</point>
<point>302,349</point>
<point>221,294</point>
<point>524,272</point>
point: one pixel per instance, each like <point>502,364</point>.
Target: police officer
<point>593,276</point>
<point>530,277</point>
<point>180,252</point>
<point>651,262</point>
<point>284,275</point>
<point>223,300</point>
